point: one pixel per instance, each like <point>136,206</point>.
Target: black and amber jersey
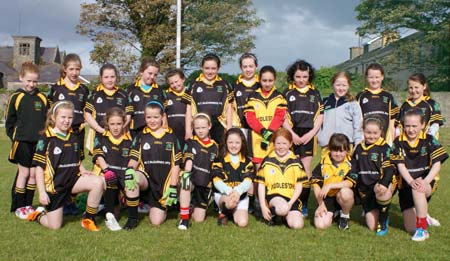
<point>77,94</point>
<point>371,164</point>
<point>379,103</point>
<point>175,105</point>
<point>211,99</point>
<point>429,108</point>
<point>281,176</point>
<point>25,115</point>
<point>326,172</point>
<point>59,157</point>
<point>114,151</point>
<point>241,92</point>
<point>232,174</point>
<point>139,99</point>
<point>304,105</point>
<point>264,106</point>
<point>156,154</point>
<point>101,99</point>
<point>418,157</point>
<point>202,157</point>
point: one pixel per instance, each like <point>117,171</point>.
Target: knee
<point>241,222</point>
<point>295,224</point>
<point>97,184</point>
<point>346,194</point>
<point>282,210</point>
<point>54,226</point>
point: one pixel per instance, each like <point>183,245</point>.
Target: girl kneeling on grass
<point>373,172</point>
<point>111,151</point>
<point>418,157</point>
<point>332,185</point>
<point>280,179</point>
<point>59,172</point>
<point>196,179</point>
<point>233,173</point>
<point>155,154</point>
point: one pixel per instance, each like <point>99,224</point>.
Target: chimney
<point>355,52</point>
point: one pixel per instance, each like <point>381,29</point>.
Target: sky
<point>319,31</point>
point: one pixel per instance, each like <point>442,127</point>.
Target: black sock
<point>90,213</point>
<point>304,196</point>
<point>110,196</point>
<point>132,205</point>
<point>20,197</point>
<point>383,208</point>
<point>29,194</point>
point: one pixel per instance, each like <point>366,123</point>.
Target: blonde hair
<point>70,58</point>
<point>54,111</point>
<point>203,116</point>
<point>29,67</point>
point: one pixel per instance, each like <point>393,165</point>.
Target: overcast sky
<point>320,31</point>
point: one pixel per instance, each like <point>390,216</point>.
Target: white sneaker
<point>22,213</point>
<point>143,208</point>
<point>111,222</point>
<point>29,209</point>
<point>432,222</point>
<point>420,235</point>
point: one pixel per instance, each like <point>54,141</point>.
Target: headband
<point>57,105</point>
<point>155,102</point>
<point>200,114</point>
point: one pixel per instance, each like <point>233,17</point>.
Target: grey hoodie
<point>340,116</point>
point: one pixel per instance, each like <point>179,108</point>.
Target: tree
<point>125,30</point>
<point>431,17</point>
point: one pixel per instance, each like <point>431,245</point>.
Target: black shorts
<point>58,200</point>
<point>405,197</point>
<point>22,153</point>
<point>367,199</point>
<point>297,206</point>
<point>331,204</point>
<point>200,197</point>
<point>304,150</point>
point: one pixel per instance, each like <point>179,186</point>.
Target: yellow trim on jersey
<point>379,142</point>
<point>18,99</point>
<point>212,143</point>
<point>179,94</point>
<point>100,87</point>
<point>138,84</point>
<point>334,174</point>
<point>201,78</point>
<point>240,80</point>
<point>416,102</point>
<point>378,91</point>
<point>310,87</point>
<point>125,136</point>
<point>403,137</point>
<point>50,132</point>
<point>63,83</point>
<point>227,159</point>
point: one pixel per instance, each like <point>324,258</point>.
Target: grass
<point>23,240</point>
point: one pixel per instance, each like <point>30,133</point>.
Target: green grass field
<point>29,241</point>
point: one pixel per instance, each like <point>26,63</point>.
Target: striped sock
<point>184,213</point>
<point>133,204</point>
<point>91,212</point>
<point>29,194</point>
<point>20,197</point>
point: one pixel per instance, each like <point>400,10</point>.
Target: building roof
<point>49,73</point>
<point>48,54</point>
<point>6,53</point>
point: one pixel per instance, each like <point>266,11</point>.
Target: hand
<point>307,138</point>
<point>324,191</point>
<point>44,198</point>
<point>171,196</point>
<point>234,195</point>
<point>131,179</point>
<point>187,135</point>
<point>321,210</point>
<point>422,185</point>
<point>185,180</point>
<point>266,212</point>
<point>110,177</point>
<point>265,144</point>
<point>296,139</point>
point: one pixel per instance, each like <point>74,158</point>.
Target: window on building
<point>24,49</point>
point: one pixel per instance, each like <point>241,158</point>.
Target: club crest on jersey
<point>374,156</point>
<point>238,93</point>
<point>423,151</point>
<point>341,173</point>
<point>312,98</point>
<point>199,90</point>
<point>40,145</point>
<point>57,151</point>
<point>119,101</point>
<point>213,156</point>
<point>75,146</point>
<point>80,97</point>
<point>385,99</point>
<point>169,102</point>
<point>146,146</point>
<point>136,98</point>
<point>125,152</point>
<point>365,100</point>
<point>219,88</point>
<point>61,97</point>
<point>194,151</point>
<point>37,105</point>
<point>169,145</point>
<point>105,150</point>
<point>292,98</point>
<point>99,100</point>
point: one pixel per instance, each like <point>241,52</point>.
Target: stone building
<point>28,48</point>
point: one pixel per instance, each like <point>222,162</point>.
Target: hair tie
<point>57,105</point>
<point>158,103</point>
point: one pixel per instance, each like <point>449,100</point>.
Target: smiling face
<point>201,128</point>
<point>267,80</point>
<point>234,144</point>
<point>72,71</point>
<point>108,79</point>
<point>415,90</point>
<point>248,68</point>
<point>301,78</point>
<point>63,119</point>
<point>115,125</point>
<point>176,83</point>
<point>341,87</point>
<point>148,76</point>
<point>153,118</point>
<point>372,133</point>
<point>412,126</point>
<point>210,69</point>
<point>338,156</point>
<point>375,79</point>
<point>29,81</point>
<point>282,146</point>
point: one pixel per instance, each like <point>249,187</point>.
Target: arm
<point>43,196</point>
<point>11,118</point>
<point>100,161</point>
<point>339,185</point>
<point>297,192</point>
<point>175,172</point>
<point>310,134</point>
<point>229,116</point>
<point>435,168</point>
<point>188,122</point>
<point>93,123</point>
<point>262,202</point>
<point>287,125</point>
